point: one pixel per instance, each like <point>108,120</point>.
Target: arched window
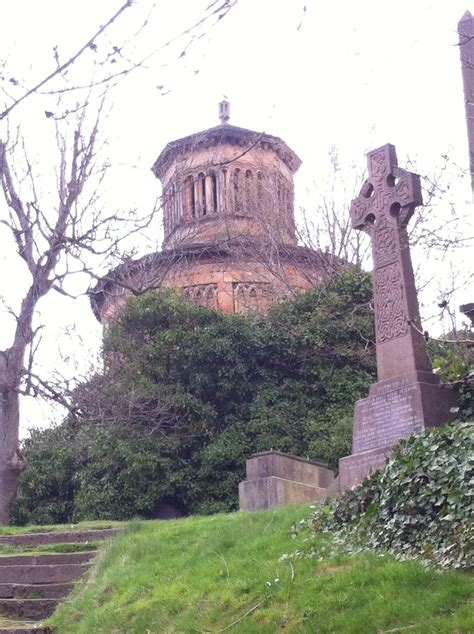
<point>190,199</point>
<point>252,298</point>
<point>202,194</point>
<point>237,191</point>
<point>214,203</point>
<point>224,202</point>
<point>289,201</point>
<point>248,191</point>
<point>173,203</point>
<point>279,193</point>
<point>260,192</point>
<point>198,297</point>
<point>209,296</point>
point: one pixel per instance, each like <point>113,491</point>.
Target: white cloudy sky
<point>354,75</point>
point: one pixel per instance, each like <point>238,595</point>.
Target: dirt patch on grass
<point>332,569</point>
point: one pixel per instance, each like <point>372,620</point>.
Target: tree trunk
<point>12,462</point>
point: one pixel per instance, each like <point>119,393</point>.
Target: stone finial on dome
<point>224,111</point>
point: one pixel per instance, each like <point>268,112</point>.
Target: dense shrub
<point>420,505</point>
<point>49,485</point>
<point>194,392</point>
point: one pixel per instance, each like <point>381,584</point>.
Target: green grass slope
<point>222,573</point>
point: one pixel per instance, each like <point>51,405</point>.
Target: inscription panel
<point>353,469</point>
<point>380,421</point>
<point>389,385</point>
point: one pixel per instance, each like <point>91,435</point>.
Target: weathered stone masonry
<point>229,229</point>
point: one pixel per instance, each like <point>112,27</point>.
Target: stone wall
<point>211,194</point>
<point>230,284</point>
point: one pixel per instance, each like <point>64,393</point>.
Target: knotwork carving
<point>389,191</point>
<point>391,320</point>
<point>378,164</point>
<point>385,242</point>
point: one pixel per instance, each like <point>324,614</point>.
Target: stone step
<point>64,537</point>
<point>59,573</point>
<point>32,585</point>
<point>25,629</point>
<point>31,609</point>
<point>35,591</point>
<point>46,559</point>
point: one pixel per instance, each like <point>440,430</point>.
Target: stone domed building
<point>229,228</point>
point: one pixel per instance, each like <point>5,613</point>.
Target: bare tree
<point>108,55</point>
<point>326,224</point>
<point>54,216</point>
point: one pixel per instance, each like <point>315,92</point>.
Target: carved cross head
<point>389,192</point>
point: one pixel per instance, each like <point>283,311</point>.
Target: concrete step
<point>59,573</point>
<point>46,559</point>
<point>65,537</point>
<point>31,609</point>
<point>35,591</point>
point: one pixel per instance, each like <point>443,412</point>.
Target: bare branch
<point>60,69</point>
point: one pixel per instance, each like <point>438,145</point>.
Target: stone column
<point>466,49</point>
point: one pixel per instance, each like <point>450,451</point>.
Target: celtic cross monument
<point>407,396</point>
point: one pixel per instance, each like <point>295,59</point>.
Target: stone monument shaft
<point>466,49</point>
<point>383,209</point>
<point>407,397</point>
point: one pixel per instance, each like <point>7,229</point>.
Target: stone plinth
<point>394,409</point>
<point>278,479</point>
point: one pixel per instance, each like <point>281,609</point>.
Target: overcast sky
<point>319,74</point>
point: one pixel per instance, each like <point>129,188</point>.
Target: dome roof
<point>224,134</point>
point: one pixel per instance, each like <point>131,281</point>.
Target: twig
<point>269,523</point>
<point>70,61</point>
<point>441,339</point>
<point>237,621</point>
<point>396,629</point>
<point>246,151</point>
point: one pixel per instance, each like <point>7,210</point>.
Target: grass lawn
<point>221,573</point>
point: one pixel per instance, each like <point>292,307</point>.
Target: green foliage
<point>49,485</point>
<point>420,505</point>
<point>454,363</point>
<point>466,397</point>
<point>194,392</point>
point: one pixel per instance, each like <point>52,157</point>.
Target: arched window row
<point>233,189</point>
<point>252,296</point>
<point>201,294</point>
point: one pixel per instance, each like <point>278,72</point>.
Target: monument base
<point>395,409</point>
<point>278,479</point>
<point>266,493</point>
<point>353,469</point>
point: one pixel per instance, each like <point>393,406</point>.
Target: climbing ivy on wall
<point>191,393</point>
